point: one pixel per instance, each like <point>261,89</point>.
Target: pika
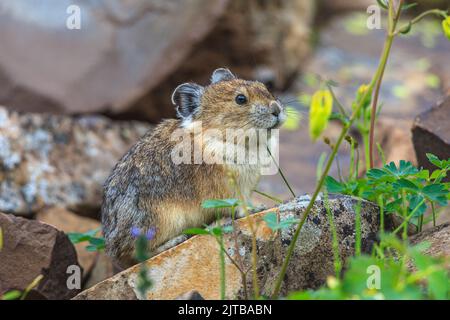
<point>149,189</point>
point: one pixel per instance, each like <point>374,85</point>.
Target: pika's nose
<point>275,108</point>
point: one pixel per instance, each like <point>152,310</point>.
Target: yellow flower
<point>446,27</point>
<point>319,112</point>
<point>293,119</point>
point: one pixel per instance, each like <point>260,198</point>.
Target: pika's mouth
<point>279,120</point>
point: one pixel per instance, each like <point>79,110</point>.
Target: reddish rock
<point>31,248</point>
<point>67,221</point>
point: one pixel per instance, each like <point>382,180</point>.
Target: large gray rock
<point>194,264</point>
<point>123,49</point>
<point>58,160</point>
<point>31,248</point>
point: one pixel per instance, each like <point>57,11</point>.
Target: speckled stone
<point>50,160</point>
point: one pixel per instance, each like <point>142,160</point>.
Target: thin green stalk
<point>282,174</point>
<point>365,136</point>
<point>254,245</point>
<point>407,218</point>
<point>238,263</point>
<point>408,25</point>
<point>433,210</point>
<point>382,64</point>
<point>381,205</point>
<point>275,199</point>
<point>392,23</point>
<point>222,269</point>
<point>335,241</point>
<point>352,160</point>
<point>405,214</point>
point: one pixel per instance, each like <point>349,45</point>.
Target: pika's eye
<point>241,99</point>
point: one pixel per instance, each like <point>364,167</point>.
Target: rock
<point>431,134</point>
<point>191,295</point>
<point>66,221</point>
<point>263,40</point>
<point>438,238</point>
<point>121,50</point>
<point>48,160</point>
<point>103,269</point>
<point>194,264</point>
<point>32,248</point>
<point>333,6</point>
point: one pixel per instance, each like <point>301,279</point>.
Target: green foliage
<point>95,243</point>
<point>403,188</point>
<point>220,203</point>
<point>446,27</point>
<point>11,295</point>
<point>414,276</point>
<point>319,112</point>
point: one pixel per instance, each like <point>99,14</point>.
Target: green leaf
<point>227,229</point>
<point>77,237</point>
<point>376,174</point>
<point>196,231</point>
<point>271,221</point>
<point>220,203</point>
<point>403,183</point>
<point>408,6</point>
<point>436,192</point>
<point>383,4</point>
<point>414,201</point>
<point>12,295</point>
<point>441,164</point>
<point>437,279</point>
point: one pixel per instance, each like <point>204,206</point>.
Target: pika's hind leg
<point>170,244</point>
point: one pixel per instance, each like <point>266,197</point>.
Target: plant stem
<point>275,199</point>
<point>254,245</point>
<point>335,243</point>
<point>434,214</point>
<point>405,27</point>
<point>222,269</point>
<point>381,66</point>
<point>393,19</point>
<point>381,205</point>
<point>281,174</point>
<point>407,218</point>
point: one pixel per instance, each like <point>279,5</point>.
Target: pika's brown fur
<point>148,190</point>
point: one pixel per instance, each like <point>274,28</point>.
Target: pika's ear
<point>187,98</point>
<point>222,74</point>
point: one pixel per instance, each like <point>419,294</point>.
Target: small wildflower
<point>135,232</point>
<point>319,113</point>
<point>149,235</point>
